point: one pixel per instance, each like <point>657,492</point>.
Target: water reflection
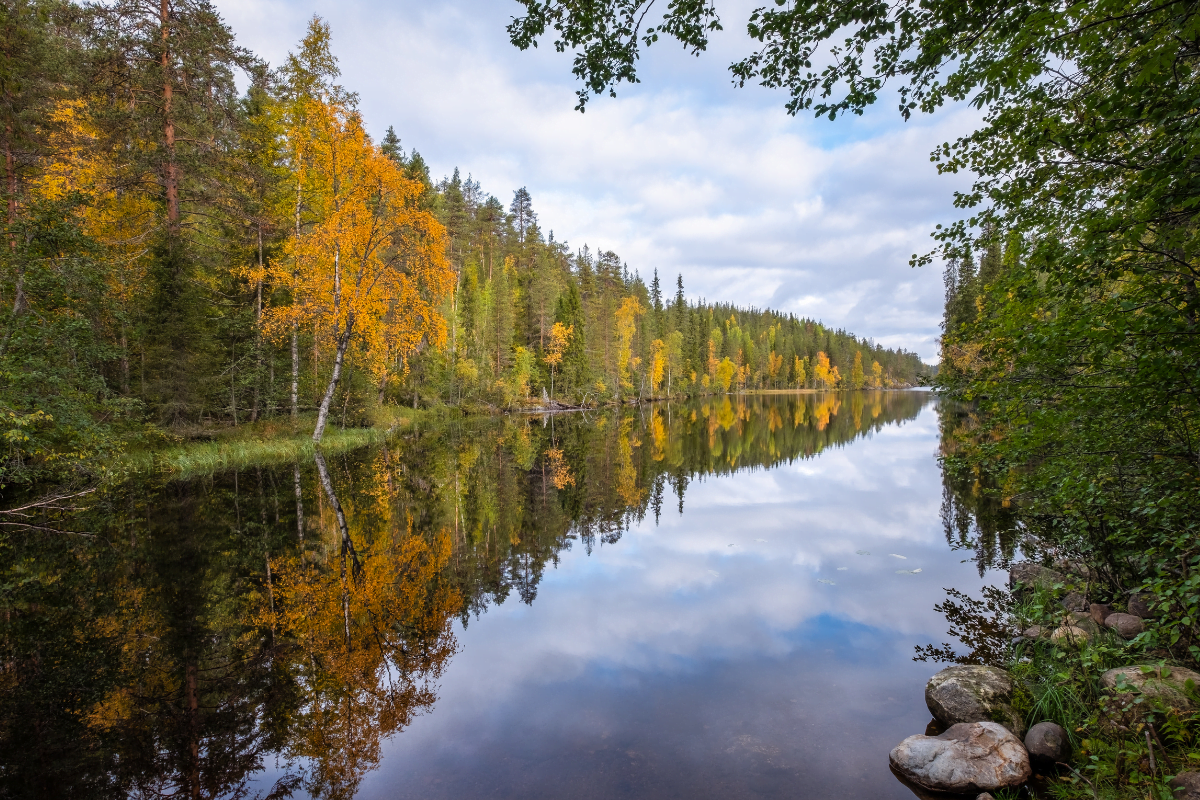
<point>270,631</point>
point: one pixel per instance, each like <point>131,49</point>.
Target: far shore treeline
<point>180,256</point>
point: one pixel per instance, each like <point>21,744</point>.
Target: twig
<point>1095,792</point>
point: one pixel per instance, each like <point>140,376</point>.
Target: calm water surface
<point>715,599</point>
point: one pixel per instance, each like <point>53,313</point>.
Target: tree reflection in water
<point>296,617</point>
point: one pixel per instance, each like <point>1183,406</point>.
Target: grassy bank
<point>204,451</point>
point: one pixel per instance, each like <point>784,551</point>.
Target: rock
<point>1084,622</point>
<point>984,796</point>
<point>1075,568</point>
<point>1070,636</point>
<point>969,757</point>
<point>1139,606</point>
<point>1186,786</point>
<point>1169,686</point>
<point>1074,601</point>
<point>973,694</point>
<point>1048,744</point>
<point>1034,632</point>
<point>1164,687</point>
<point>1029,574</point>
<point>1099,612</point>
<point>1127,626</point>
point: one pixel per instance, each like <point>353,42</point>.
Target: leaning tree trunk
<point>347,543</point>
<point>323,413</point>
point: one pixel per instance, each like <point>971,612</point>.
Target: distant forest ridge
<point>627,336</point>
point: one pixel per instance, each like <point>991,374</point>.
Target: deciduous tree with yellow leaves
<point>372,269</point>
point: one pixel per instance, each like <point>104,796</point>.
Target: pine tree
<point>390,145</point>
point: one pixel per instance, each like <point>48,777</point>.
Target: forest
<point>184,256</point>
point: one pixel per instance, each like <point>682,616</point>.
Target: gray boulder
<point>1139,606</point>
<point>970,757</point>
<point>1034,632</point>
<point>1084,621</point>
<point>973,694</point>
<point>1126,626</point>
<point>1048,744</point>
<point>1166,686</point>
<point>1074,601</point>
<point>1186,786</point>
<point>1029,574</point>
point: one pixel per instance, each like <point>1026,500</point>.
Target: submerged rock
<point>1186,786</point>
<point>973,694</point>
<point>1048,744</point>
<point>1127,626</point>
<point>1029,574</point>
<point>970,757</point>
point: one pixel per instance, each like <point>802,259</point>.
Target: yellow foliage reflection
<point>370,636</point>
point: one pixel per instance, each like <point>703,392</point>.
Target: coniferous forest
<point>182,256</point>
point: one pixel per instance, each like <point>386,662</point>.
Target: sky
<point>683,173</point>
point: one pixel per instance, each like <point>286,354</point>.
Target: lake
<point>716,599</point>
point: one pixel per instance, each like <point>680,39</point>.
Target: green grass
<point>265,443</point>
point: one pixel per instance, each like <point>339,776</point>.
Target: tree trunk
<point>299,506</point>
<point>192,700</point>
<point>170,172</point>
<point>295,332</point>
<point>258,329</point>
<point>347,543</point>
<point>323,412</point>
<point>295,373</point>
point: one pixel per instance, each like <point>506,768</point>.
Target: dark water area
<point>713,599</point>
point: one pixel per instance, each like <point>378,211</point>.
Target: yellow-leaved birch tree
<point>371,269</point>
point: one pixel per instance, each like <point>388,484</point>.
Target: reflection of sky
<point>702,657</point>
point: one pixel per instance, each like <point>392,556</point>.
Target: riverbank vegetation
<point>182,257</point>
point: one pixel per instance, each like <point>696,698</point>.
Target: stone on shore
<point>1083,621</point>
<point>1139,606</point>
<point>1099,612</point>
<point>1126,626</point>
<point>973,694</point>
<point>1034,632</point>
<point>1074,601</point>
<point>1186,786</point>
<point>1029,574</point>
<point>1070,636</point>
<point>970,757</point>
<point>1166,686</point>
<point>1048,744</point>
